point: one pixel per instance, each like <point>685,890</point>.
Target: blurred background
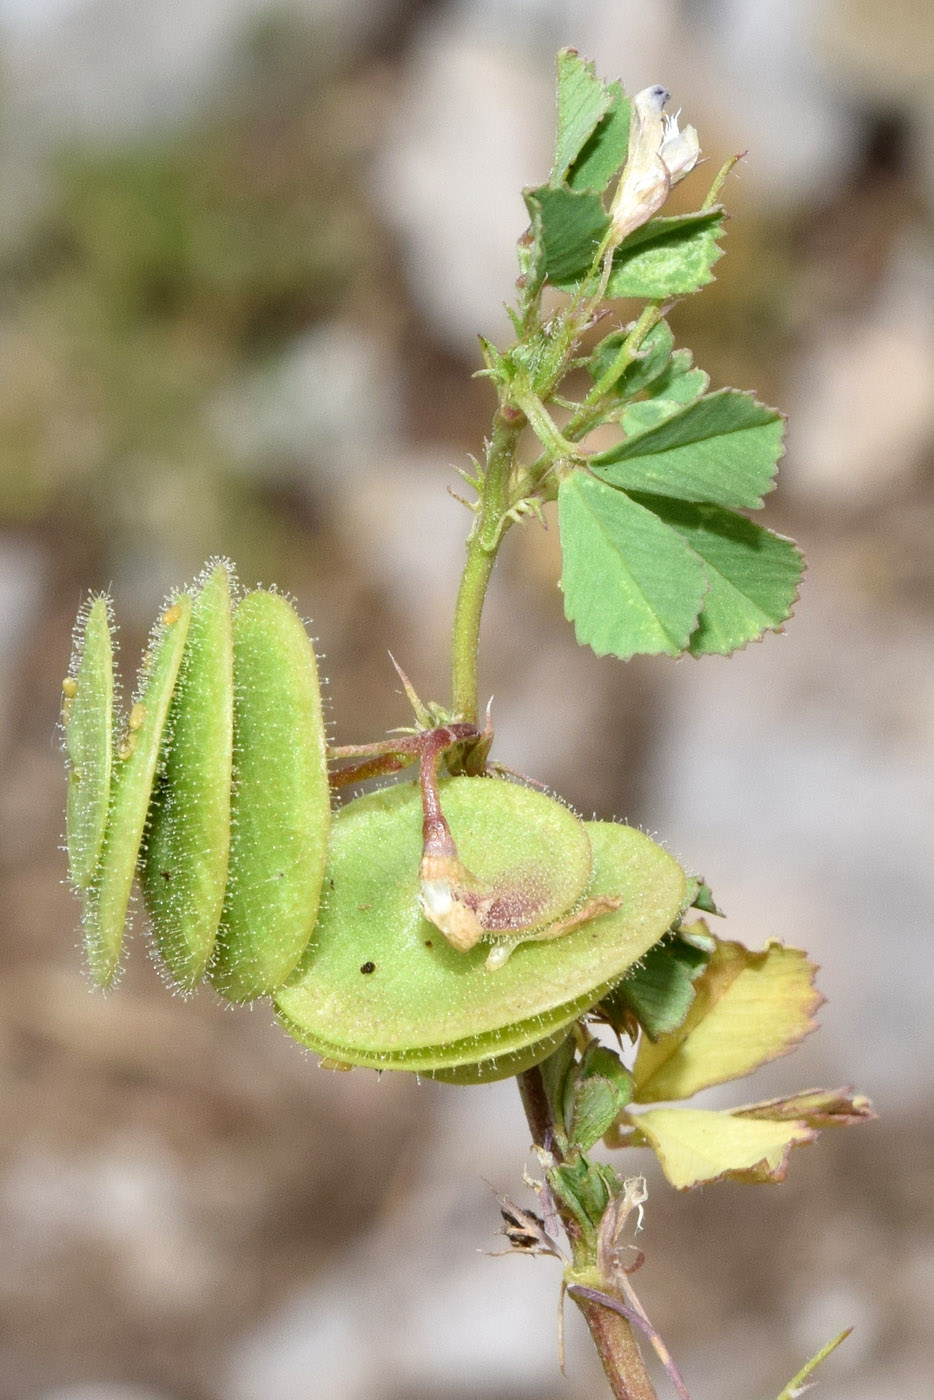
<point>246,247</point>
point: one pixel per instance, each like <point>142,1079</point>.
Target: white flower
<point>660,154</point>
<point>679,150</point>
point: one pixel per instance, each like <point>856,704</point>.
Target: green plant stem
<point>485,538</point>
<point>610,1331</point>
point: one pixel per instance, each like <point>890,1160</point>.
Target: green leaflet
<point>280,809</point>
<point>570,224</point>
<point>134,770</point>
<point>582,102</point>
<point>630,584</point>
<point>659,990</point>
<point>594,1093</point>
<point>379,986</point>
<point>651,363</point>
<point>604,153</point>
<point>681,383</point>
<point>754,574</point>
<point>87,716</point>
<point>628,587</point>
<point>672,255</point>
<point>184,867</point>
<point>722,448</point>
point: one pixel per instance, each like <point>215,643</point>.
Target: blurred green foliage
<point>158,274</point>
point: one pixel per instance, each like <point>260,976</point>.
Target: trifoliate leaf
<point>669,256</point>
<point>569,225</point>
<point>630,584</point>
<point>697,1145</point>
<point>722,448</point>
<point>754,574</point>
<point>749,1008</point>
<point>582,102</point>
<point>604,153</point>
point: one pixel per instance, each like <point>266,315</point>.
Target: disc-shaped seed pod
<point>87,716</point>
<point>134,769</point>
<point>378,984</point>
<point>280,808</point>
<point>183,869</point>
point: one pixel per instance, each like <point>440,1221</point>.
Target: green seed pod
<point>379,986</point>
<point>280,810</point>
<point>133,774</point>
<point>87,716</point>
<point>184,867</point>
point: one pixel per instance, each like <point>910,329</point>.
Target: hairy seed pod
<point>87,716</point>
<point>280,809</point>
<point>183,870</point>
<point>134,770</point>
<point>380,986</point>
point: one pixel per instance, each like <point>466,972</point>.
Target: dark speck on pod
<point>368,967</point>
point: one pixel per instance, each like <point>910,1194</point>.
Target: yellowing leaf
<point>749,1008</point>
<point>819,1108</point>
<point>696,1145</point>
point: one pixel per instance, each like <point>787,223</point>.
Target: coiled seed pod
<point>218,794</point>
<point>217,791</point>
<point>378,986</point>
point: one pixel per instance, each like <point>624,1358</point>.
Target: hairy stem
<point>616,1346</point>
<point>482,547</point>
<point>605,1313</point>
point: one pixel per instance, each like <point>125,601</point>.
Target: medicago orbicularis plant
<point>468,925</point>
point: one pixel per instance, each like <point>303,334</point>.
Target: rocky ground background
<point>245,250</point>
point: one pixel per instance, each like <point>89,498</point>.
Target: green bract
<point>379,986</point>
